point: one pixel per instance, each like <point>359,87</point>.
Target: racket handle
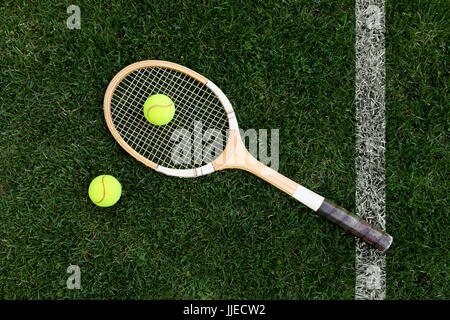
<point>354,224</point>
<point>239,157</point>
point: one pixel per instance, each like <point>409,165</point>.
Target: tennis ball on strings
<point>105,190</point>
<point>159,109</point>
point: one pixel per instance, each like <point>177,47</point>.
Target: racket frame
<point>236,156</point>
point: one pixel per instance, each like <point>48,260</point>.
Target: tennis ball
<point>105,190</point>
<point>159,109</point>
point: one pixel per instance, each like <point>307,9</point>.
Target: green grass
<point>417,117</point>
<point>226,235</point>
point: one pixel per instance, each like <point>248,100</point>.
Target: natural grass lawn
<point>417,117</point>
<point>226,235</point>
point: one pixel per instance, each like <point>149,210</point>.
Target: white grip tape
<point>308,198</point>
<point>221,96</point>
<point>232,121</point>
<point>183,173</point>
<point>204,170</point>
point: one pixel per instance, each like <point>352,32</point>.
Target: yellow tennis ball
<point>159,109</point>
<point>105,190</point>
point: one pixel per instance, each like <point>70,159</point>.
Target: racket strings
<point>181,143</point>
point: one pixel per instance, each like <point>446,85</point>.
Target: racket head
<point>202,111</point>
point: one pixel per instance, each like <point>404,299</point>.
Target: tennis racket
<point>203,136</point>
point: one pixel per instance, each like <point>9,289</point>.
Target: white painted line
<point>370,143</point>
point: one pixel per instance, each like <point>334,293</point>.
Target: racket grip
<point>354,224</point>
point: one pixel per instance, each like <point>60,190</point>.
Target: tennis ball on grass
<point>159,109</point>
<point>105,190</point>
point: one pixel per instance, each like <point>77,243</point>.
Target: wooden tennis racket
<point>178,148</point>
